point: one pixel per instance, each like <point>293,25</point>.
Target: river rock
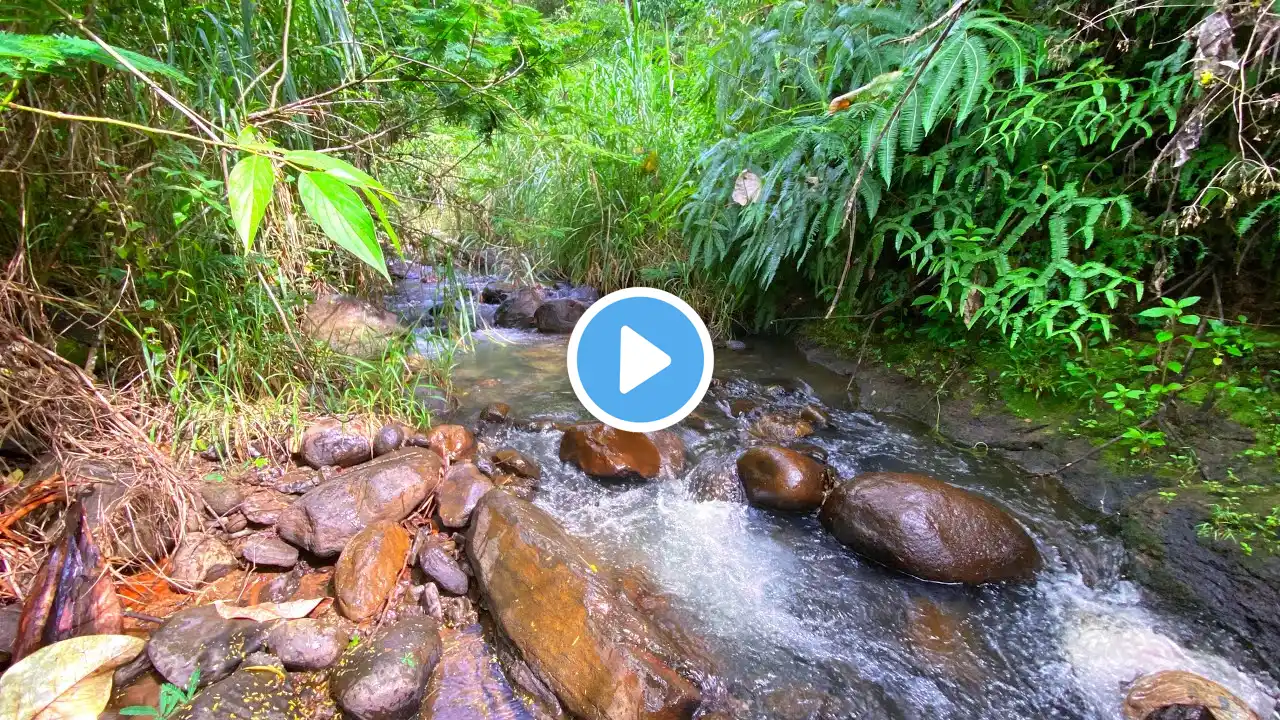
<point>430,602</point>
<point>521,487</point>
<point>350,326</point>
<point>929,529</point>
<point>781,479</point>
<point>437,562</point>
<point>201,558</point>
<point>778,427</point>
<point>518,309</point>
<point>605,452</point>
<point>496,412</point>
<point>558,316</point>
<point>263,507</point>
<point>467,684</point>
<point>462,488</point>
<point>200,638</point>
<point>368,568</point>
<point>298,481</point>
<point>308,644</point>
<point>562,606</point>
<point>385,677</point>
<point>247,693</point>
<point>389,437</point>
<point>1178,694</point>
<point>495,292</point>
<point>267,550</point>
<point>222,498</point>
<point>716,480</point>
<point>388,488</point>
<point>330,442</point>
<point>452,442</point>
<point>514,462</point>
<point>742,407</point>
<point>815,415</point>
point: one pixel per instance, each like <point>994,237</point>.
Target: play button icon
<point>640,359</point>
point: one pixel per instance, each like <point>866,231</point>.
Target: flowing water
<point>799,626</point>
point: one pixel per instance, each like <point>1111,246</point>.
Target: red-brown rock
<point>781,478</point>
<point>605,452</point>
<point>368,568</point>
<point>452,442</point>
<point>1153,693</point>
<point>929,529</point>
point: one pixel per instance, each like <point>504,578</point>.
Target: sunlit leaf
<point>266,612</point>
<point>249,193</point>
<point>69,679</point>
<point>335,166</point>
<point>338,210</point>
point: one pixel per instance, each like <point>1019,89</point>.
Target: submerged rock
<point>929,529</point>
<point>331,442</point>
<point>518,309</point>
<point>308,644</point>
<point>716,479</point>
<point>457,496</point>
<point>201,558</point>
<point>1178,695</point>
<point>200,638</point>
<point>781,479</point>
<point>388,488</point>
<point>563,608</point>
<point>368,568</point>
<point>350,326</point>
<point>605,452</point>
<point>777,427</point>
<point>467,683</point>
<point>497,412</point>
<point>558,316</point>
<point>385,677</point>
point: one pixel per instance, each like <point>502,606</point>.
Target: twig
<point>284,54</point>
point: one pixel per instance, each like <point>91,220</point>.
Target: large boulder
<point>388,488</point>
<point>329,441</point>
<point>385,677</point>
<point>1201,575</point>
<point>1180,694</point>
<point>782,479</point>
<point>929,529</point>
<point>558,316</point>
<point>605,452</point>
<point>518,308</point>
<point>368,568</point>
<point>565,610</point>
<point>200,639</point>
<point>351,326</point>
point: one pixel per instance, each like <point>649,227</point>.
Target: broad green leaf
<point>337,167</point>
<point>1157,312</point>
<point>338,211</point>
<point>249,193</point>
<point>1175,366</point>
<point>382,218</point>
<point>1189,319</point>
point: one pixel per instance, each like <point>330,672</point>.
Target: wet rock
<point>558,316</point>
<point>815,415</point>
<point>430,602</point>
<point>814,451</point>
<point>742,407</point>
<point>605,452</point>
<point>452,442</point>
<point>781,479</point>
<point>778,427</point>
<point>222,498</point>
<point>385,677</point>
<point>308,644</point>
<point>201,558</point>
<point>436,560</point>
<point>929,529</point>
<point>498,412</point>
<point>562,607</point>
<point>521,487</point>
<point>200,638</point>
<point>263,507</point>
<point>735,345</point>
<point>458,611</point>
<point>247,693</point>
<point>467,684</point>
<point>267,550</point>
<point>368,568</point>
<point>9,615</point>
<point>350,325</point>
<point>518,309</point>
<point>514,462</point>
<point>297,482</point>
<point>1178,694</point>
<point>388,488</point>
<point>330,442</point>
<point>1192,574</point>
<point>389,437</point>
<point>462,488</point>
<point>496,292</point>
<point>716,480</point>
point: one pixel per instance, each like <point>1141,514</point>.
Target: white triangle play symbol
<point>640,360</point>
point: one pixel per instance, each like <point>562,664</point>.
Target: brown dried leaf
<point>746,189</point>
<point>72,594</point>
<point>268,611</point>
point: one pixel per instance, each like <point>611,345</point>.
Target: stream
<point>797,625</point>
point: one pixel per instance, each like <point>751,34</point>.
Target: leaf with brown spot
<point>72,595</point>
<point>67,680</point>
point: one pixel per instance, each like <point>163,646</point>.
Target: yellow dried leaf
<point>68,680</point>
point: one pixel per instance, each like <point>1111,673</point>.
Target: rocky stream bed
<point>779,554</point>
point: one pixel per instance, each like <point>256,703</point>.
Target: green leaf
<point>1189,319</point>
<point>1175,366</point>
<point>139,710</point>
<point>249,193</point>
<point>1157,312</point>
<point>372,197</point>
<point>1188,301</point>
<point>948,66</point>
<point>337,167</point>
<point>343,217</point>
